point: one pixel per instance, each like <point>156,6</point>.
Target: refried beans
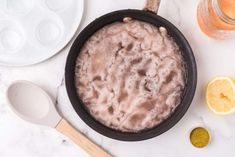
<point>130,75</point>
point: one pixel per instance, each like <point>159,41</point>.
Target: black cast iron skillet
<point>142,15</point>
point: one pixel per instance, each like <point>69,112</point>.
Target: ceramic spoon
<point>32,104</point>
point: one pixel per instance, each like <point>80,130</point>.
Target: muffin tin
<point>32,31</point>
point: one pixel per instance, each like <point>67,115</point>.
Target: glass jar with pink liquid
<point>216,18</point>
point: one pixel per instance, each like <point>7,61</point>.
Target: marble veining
<point>214,58</point>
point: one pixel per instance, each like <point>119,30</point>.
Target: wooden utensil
<point>32,104</point>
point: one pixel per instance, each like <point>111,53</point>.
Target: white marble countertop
<point>214,58</point>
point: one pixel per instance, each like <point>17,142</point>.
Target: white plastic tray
<point>32,31</point>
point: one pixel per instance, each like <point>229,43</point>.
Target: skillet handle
<point>152,5</point>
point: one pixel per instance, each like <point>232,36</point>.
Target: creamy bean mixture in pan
<point>130,75</point>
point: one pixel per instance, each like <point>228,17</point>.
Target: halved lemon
<point>220,95</point>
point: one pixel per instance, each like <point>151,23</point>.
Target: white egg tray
<point>32,31</point>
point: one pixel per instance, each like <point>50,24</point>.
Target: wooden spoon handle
<point>90,147</point>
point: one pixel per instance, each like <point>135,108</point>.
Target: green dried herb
<point>199,137</point>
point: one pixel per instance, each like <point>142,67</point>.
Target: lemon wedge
<point>220,95</point>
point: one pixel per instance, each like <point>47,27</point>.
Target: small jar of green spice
<point>199,137</point>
